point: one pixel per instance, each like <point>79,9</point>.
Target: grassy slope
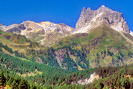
<point>18,43</point>
<point>46,74</point>
<point>20,46</point>
<point>101,47</point>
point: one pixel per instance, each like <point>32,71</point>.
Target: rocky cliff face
<point>131,33</point>
<point>31,27</point>
<point>89,19</point>
<point>2,27</point>
<point>40,32</point>
<point>92,18</point>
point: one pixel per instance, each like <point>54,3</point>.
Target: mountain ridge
<point>46,55</point>
<point>102,15</point>
<point>88,19</point>
<point>75,49</point>
<point>40,32</point>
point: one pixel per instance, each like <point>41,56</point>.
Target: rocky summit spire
<point>102,15</point>
<point>102,6</point>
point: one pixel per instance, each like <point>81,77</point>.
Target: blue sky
<point>58,11</point>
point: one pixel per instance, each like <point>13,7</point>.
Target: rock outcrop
<point>2,27</point>
<point>48,33</point>
<point>86,81</point>
<point>40,32</point>
<point>131,33</point>
<point>92,18</point>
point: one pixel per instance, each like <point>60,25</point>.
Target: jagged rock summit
<point>92,18</point>
<point>44,31</point>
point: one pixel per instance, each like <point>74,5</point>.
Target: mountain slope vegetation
<point>103,46</point>
<point>97,54</point>
<point>59,65</point>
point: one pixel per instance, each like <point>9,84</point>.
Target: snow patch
<point>131,33</point>
<point>117,27</point>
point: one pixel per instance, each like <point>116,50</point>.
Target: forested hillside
<point>101,47</point>
<point>113,77</point>
<point>69,62</point>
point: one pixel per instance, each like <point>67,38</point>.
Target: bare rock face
<point>31,27</point>
<point>40,32</point>
<point>86,81</point>
<point>2,27</point>
<point>48,33</point>
<point>93,18</point>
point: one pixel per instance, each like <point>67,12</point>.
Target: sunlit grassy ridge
<point>18,43</point>
<point>103,46</point>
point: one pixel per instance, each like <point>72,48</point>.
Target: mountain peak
<point>102,6</point>
<point>91,18</point>
<point>40,32</point>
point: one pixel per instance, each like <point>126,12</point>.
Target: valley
<point>97,54</point>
